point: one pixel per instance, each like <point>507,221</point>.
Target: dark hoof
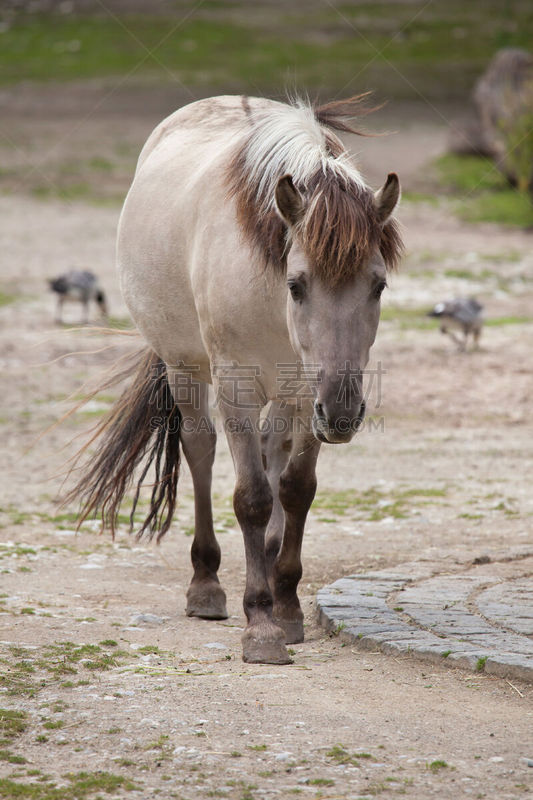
<point>206,601</point>
<point>264,645</point>
<point>294,629</point>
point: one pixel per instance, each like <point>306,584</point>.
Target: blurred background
<point>442,474</point>
<point>83,83</point>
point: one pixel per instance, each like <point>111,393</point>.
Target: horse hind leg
<point>205,596</point>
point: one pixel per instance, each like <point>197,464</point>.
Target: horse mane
<point>340,228</point>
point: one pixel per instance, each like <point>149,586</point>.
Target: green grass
<point>318,46</point>
<point>11,758</point>
<point>27,672</point>
<point>437,765</point>
<point>408,318</point>
<point>340,755</point>
<point>480,665</point>
<point>374,504</point>
<point>506,207</point>
<point>481,193</point>
<point>80,786</point>
<point>495,322</point>
<point>12,724</point>
<point>6,299</point>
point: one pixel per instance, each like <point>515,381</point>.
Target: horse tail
<point>142,429</point>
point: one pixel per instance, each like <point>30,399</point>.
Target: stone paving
<point>478,616</point>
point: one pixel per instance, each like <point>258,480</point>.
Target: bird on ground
<point>464,314</point>
<point>79,286</point>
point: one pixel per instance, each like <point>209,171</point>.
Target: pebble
<point>146,619</point>
<point>216,646</point>
<point>179,750</point>
<point>151,722</point>
<point>496,759</point>
<point>283,756</point>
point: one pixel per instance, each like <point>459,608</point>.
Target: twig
<point>514,687</point>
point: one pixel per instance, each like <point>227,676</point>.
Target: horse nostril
<point>319,410</point>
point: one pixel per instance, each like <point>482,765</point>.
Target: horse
<point>252,256</point>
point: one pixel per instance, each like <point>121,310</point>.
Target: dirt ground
<point>114,680</point>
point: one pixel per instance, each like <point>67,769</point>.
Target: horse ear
<point>289,201</point>
<point>386,198</point>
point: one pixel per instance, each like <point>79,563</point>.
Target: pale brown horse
<point>252,257</point>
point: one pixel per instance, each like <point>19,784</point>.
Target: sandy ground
<point>165,705</point>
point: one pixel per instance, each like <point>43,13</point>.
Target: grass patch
<point>375,504</point>
<point>497,322</point>
<point>315,46</point>
<point>437,765</point>
<point>12,724</point>
<point>408,318</point>
<point>52,725</point>
<point>53,663</point>
<point>481,193</point>
<point>11,758</point>
<point>480,665</point>
<point>340,755</point>
<point>80,786</point>
<point>506,207</point>
<point>6,299</point>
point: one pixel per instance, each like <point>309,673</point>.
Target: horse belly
<point>153,264</point>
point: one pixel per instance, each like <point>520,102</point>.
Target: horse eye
<point>297,290</point>
<point>378,291</point>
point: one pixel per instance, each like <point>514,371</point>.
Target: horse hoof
<point>266,647</point>
<point>206,602</point>
<point>294,630</point>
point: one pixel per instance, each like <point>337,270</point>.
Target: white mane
<point>287,139</point>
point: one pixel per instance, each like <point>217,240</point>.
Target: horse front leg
<point>276,445</point>
<point>297,488</point>
<point>263,641</point>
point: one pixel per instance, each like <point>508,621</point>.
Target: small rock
<point>216,646</point>
<point>283,756</point>
<point>146,619</point>
<point>151,722</point>
<point>496,759</point>
<point>529,761</point>
<point>179,750</point>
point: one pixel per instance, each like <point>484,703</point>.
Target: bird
<point>462,313</point>
<point>80,286</point>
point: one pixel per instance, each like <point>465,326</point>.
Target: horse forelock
<point>339,230</point>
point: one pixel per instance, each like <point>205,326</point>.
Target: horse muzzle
<point>337,430</point>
